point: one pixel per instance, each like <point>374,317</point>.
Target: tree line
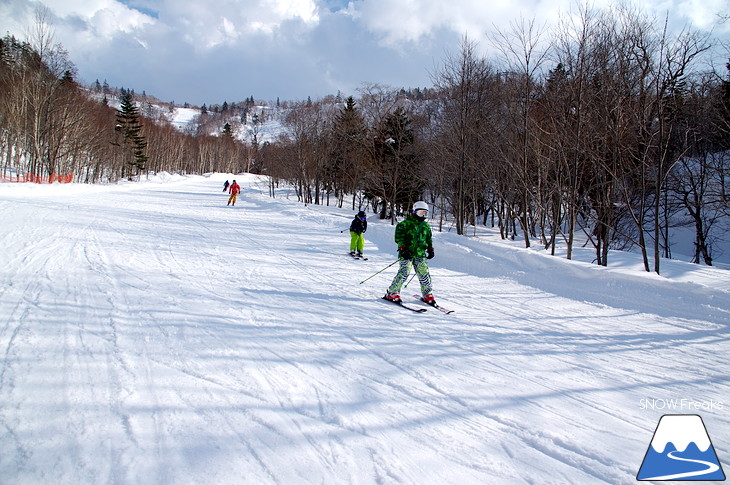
<point>606,129</point>
<point>49,124</point>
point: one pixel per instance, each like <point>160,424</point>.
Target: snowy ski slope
<point>151,335</point>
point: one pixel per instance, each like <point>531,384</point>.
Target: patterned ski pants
<point>424,277</point>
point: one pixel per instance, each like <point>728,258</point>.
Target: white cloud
<point>224,32</point>
<point>104,18</point>
<point>211,50</point>
<point>207,24</point>
<point>399,21</point>
<point>204,24</point>
<point>114,19</point>
<point>703,13</point>
<point>305,10</point>
<point>81,26</point>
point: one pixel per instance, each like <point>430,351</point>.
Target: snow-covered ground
<point>151,335</point>
<point>182,117</point>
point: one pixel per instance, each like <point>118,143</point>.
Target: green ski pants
<point>357,241</point>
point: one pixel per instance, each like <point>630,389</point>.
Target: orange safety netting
<point>40,179</point>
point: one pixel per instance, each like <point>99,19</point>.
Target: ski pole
<point>377,273</point>
<point>409,280</point>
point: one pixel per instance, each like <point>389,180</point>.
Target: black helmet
<point>361,214</point>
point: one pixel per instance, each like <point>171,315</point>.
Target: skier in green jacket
<point>415,246</point>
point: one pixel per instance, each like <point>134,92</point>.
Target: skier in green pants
<point>357,228</point>
<point>415,246</point>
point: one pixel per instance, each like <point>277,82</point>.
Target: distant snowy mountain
<point>261,122</point>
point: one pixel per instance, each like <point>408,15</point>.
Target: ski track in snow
<point>151,335</point>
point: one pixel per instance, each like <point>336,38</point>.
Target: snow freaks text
<point>680,404</point>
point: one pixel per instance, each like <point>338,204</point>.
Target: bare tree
<point>309,128</point>
<point>524,52</point>
<point>462,128</point>
<point>567,97</point>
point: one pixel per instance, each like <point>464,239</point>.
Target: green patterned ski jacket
<point>415,235</point>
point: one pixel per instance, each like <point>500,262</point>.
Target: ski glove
<point>404,253</point>
<point>429,253</point>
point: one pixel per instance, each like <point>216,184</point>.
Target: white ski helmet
<point>420,205</point>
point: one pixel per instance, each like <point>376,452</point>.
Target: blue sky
<point>210,51</point>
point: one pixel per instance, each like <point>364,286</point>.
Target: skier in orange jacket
<point>234,190</point>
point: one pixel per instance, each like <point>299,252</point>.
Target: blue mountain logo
<point>681,450</point>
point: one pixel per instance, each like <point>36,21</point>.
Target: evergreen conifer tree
<point>227,132</point>
<point>348,156</point>
<point>396,175</point>
<point>129,127</point>
<point>67,78</point>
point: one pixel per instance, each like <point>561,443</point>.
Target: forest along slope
<point>151,335</point>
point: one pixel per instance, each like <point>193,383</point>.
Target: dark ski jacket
<point>414,234</point>
<point>358,226</point>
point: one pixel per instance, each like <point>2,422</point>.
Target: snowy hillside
<point>151,335</point>
<point>268,130</point>
<point>182,118</point>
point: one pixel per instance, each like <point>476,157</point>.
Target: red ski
<point>434,304</point>
<point>401,304</point>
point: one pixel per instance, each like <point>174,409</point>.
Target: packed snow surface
<point>149,334</point>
